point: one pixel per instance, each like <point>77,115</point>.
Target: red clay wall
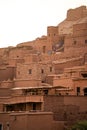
<point>32,121</point>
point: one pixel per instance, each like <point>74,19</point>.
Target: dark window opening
<point>75,42</point>
<point>46,92</point>
<point>34,106</point>
<point>0,126</point>
<point>42,71</point>
<point>43,81</point>
<point>59,94</point>
<point>71,73</point>
<point>67,93</point>
<point>85,41</point>
<point>50,69</point>
<point>84,75</point>
<point>9,107</point>
<point>30,71</point>
<point>18,72</point>
<point>85,91</point>
<point>78,91</point>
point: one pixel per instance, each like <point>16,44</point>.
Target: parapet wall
<point>77,13</point>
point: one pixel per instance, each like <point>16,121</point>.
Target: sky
<point>25,20</point>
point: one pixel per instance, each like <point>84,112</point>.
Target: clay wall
<point>74,43</point>
<point>15,53</point>
<point>5,92</point>
<point>41,45</point>
<point>3,51</point>
<point>28,44</point>
<point>67,108</point>
<point>82,83</point>
<point>1,105</point>
<point>29,71</point>
<point>65,82</point>
<point>80,29</point>
<point>59,67</point>
<point>77,13</point>
<point>53,103</point>
<point>20,52</point>
<point>32,121</point>
<point>4,120</point>
<point>49,79</point>
<point>13,62</point>
<point>34,70</point>
<point>58,125</point>
<point>7,73</point>
<point>78,101</point>
<point>31,58</point>
<point>27,83</point>
<point>6,84</point>
<point>52,35</point>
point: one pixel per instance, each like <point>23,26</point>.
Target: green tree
<point>82,125</point>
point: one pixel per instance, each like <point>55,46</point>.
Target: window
<point>78,91</point>
<point>45,92</point>
<point>34,106</point>
<point>30,71</point>
<point>18,72</point>
<point>86,41</point>
<point>84,75</point>
<point>42,71</point>
<point>1,127</point>
<point>50,69</point>
<point>74,42</point>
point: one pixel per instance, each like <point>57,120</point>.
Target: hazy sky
<point>25,20</point>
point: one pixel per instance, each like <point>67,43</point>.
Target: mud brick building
<point>43,83</point>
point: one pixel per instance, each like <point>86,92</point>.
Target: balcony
<point>24,99</point>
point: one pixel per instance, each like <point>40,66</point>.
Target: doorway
<point>34,106</point>
<point>1,127</point>
<point>85,91</point>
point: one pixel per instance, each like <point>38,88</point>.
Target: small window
<point>67,93</point>
<point>84,75</point>
<point>18,72</point>
<point>75,42</point>
<point>50,69</point>
<point>86,41</point>
<point>42,71</point>
<point>30,71</point>
<point>78,89</point>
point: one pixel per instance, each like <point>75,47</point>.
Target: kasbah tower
<point>43,83</point>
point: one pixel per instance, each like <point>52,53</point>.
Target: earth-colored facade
<point>43,83</point>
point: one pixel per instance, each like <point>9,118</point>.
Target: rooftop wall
<point>75,14</point>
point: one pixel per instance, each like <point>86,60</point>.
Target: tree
<point>82,125</point>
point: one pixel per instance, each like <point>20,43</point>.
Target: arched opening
<point>85,91</point>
